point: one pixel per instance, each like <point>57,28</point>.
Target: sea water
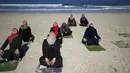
<point>62,8</point>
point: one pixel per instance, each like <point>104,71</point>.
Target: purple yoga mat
<point>48,70</point>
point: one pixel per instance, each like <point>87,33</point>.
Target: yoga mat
<point>8,66</point>
<point>48,70</point>
<point>95,48</point>
<point>71,36</point>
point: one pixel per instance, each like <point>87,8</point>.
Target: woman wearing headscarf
<point>65,29</point>
<point>83,21</point>
<point>14,51</point>
<point>56,29</point>
<point>91,36</point>
<point>71,21</point>
<point>51,52</point>
<point>25,32</point>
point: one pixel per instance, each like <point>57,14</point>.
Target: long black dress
<point>26,34</point>
<point>91,36</point>
<point>83,21</point>
<point>51,51</point>
<point>59,36</point>
<point>15,44</point>
<point>72,22</point>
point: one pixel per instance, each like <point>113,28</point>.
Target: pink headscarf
<point>51,38</point>
<point>12,36</point>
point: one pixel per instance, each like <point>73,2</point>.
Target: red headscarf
<point>12,36</point>
<point>56,29</point>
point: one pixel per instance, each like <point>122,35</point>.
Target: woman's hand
<point>47,61</point>
<point>84,40</point>
<point>53,61</point>
<point>17,52</point>
<point>1,52</point>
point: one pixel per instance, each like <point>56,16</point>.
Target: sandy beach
<point>76,57</point>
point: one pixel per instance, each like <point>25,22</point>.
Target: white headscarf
<point>51,38</point>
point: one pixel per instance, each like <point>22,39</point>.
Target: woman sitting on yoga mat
<point>25,32</point>
<point>83,21</point>
<point>65,29</point>
<point>71,21</point>
<point>56,29</point>
<point>90,36</point>
<point>14,51</point>
<point>51,52</point>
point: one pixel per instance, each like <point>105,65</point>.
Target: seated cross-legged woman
<point>83,21</point>
<point>90,36</point>
<point>65,29</point>
<point>72,21</point>
<point>51,57</point>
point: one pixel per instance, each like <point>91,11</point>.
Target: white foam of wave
<point>115,8</point>
<point>107,6</point>
<point>97,6</point>
<point>49,9</point>
<point>119,7</point>
<point>33,5</point>
<point>69,6</point>
<point>110,7</point>
<point>37,5</point>
<point>60,5</point>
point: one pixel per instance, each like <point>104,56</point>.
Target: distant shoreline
<point>61,8</point>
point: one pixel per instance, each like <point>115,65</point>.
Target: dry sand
<point>76,57</point>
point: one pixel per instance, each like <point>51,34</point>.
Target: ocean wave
<point>32,5</point>
<point>107,6</point>
<point>47,9</point>
<point>59,7</point>
<point>53,9</point>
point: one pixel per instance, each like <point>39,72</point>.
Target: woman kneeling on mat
<point>51,52</point>
<point>90,36</point>
<point>25,32</point>
<point>65,29</point>
<point>56,29</point>
<point>14,51</point>
<point>71,21</point>
<point>83,21</point>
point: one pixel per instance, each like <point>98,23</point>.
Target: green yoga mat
<point>95,48</point>
<point>8,66</point>
<point>71,36</point>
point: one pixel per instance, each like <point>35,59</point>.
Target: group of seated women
<point>15,51</point>
<point>51,45</point>
<point>83,21</point>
